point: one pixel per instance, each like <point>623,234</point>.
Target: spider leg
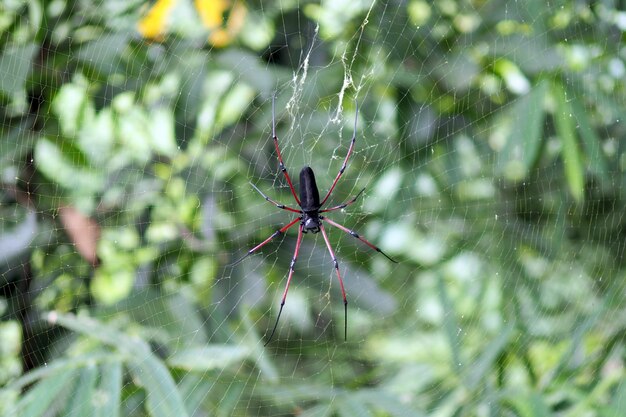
<point>343,291</point>
<point>344,205</point>
<point>356,235</point>
<point>280,157</point>
<point>345,161</point>
<point>291,269</point>
<point>280,206</point>
<point>260,245</point>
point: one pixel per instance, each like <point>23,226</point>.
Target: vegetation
<point>490,143</point>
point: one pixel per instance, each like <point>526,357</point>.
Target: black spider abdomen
<point>309,194</point>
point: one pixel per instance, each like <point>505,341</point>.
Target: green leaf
<point>104,53</point>
<point>251,338</point>
<point>570,151</point>
<point>320,410</point>
<point>352,406</point>
<point>164,400</point>
<point>17,142</point>
<point>163,397</point>
<point>484,364</point>
<point>513,77</point>
<point>111,286</point>
<point>194,388</point>
<point>618,403</point>
<point>81,400</point>
<point>110,389</point>
<point>334,17</point>
<point>389,403</point>
<point>229,399</point>
<point>529,405</point>
<point>216,84</point>
<point>96,140</point>
<point>525,139</point>
<point>62,365</point>
<point>209,357</point>
<point>590,140</point>
<point>15,64</point>
<point>161,127</point>
<point>73,108</point>
<point>249,69</point>
<point>132,128</point>
<point>39,399</point>
<point>450,324</point>
<point>296,393</point>
<point>234,104</point>
<point>387,186</point>
<point>16,240</point>
<point>61,168</point>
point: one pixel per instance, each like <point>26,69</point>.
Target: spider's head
<point>310,224</point>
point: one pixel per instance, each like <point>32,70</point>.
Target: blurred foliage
<point>491,144</point>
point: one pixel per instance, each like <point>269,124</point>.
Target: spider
<point>310,218</point>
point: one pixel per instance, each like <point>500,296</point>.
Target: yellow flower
<point>153,25</point>
<point>211,12</point>
<point>212,15</point>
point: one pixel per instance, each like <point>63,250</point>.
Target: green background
<point>490,141</point>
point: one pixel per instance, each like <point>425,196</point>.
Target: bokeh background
<point>490,143</point>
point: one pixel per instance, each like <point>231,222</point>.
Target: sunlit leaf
<point>161,125</point>
<point>73,108</point>
<point>334,16</point>
<point>108,286</point>
<point>234,104</point>
<point>58,164</point>
<point>515,80</point>
<point>133,129</point>
<point>257,32</point>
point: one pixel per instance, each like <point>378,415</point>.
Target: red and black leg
<point>266,241</point>
<point>343,291</point>
<point>356,235</point>
<point>344,205</point>
<point>291,269</point>
<point>280,206</point>
<point>280,157</point>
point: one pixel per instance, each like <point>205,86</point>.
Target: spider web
<point>489,145</point>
